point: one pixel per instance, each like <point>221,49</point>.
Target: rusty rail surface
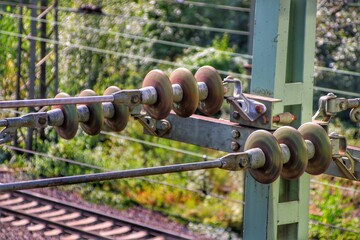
<point>69,221</point>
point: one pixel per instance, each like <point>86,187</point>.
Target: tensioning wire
<point>107,170</point>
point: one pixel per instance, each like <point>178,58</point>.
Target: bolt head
<point>244,162</point>
<point>235,133</point>
<point>236,115</point>
<point>234,146</point>
<point>258,108</point>
<point>165,125</point>
<point>42,121</point>
<point>135,99</point>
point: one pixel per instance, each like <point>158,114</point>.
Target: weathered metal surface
<point>219,134</point>
<point>283,69</point>
<point>265,121</point>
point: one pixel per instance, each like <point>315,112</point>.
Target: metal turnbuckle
<point>249,109</point>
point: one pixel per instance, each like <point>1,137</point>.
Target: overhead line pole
<point>32,66</point>
<point>18,66</point>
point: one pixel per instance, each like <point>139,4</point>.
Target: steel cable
<point>208,5</point>
<point>107,170</point>
<point>126,35</point>
<point>131,56</point>
<point>143,20</point>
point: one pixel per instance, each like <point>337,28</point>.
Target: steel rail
<point>64,227</point>
<point>59,181</point>
<point>104,217</point>
<point>55,101</point>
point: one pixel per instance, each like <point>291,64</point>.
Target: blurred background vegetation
<point>131,38</point>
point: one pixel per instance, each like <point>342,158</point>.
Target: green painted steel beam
<point>283,62</point>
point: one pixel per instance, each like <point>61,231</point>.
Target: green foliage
<point>334,210</point>
<point>80,68</point>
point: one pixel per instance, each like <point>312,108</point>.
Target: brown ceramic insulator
<point>162,85</point>
<point>298,161</point>
<point>212,104</point>
<point>187,106</point>
<point>70,125</point>
<point>323,151</point>
<point>94,124</point>
<point>121,113</point>
<point>273,156</point>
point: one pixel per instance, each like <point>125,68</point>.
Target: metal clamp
<point>32,120</point>
<point>152,126</point>
<point>342,157</point>
<point>249,109</point>
<point>235,161</point>
<point>330,104</point>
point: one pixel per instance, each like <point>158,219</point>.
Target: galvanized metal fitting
<point>235,146</point>
<point>235,133</point>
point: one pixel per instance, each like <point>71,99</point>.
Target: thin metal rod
<point>55,101</point>
<point>59,181</point>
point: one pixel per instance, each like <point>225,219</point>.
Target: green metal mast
<point>283,63</point>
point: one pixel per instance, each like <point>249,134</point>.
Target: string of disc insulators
<point>182,92</point>
<point>288,152</point>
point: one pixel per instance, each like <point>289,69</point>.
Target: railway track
<point>69,221</point>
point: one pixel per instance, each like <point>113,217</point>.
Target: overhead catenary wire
<point>335,186</point>
<point>339,71</point>
<point>207,5</point>
<point>74,10</point>
<point>342,92</point>
<point>163,23</point>
<point>120,54</point>
<point>128,36</point>
<point>314,222</point>
<point>144,20</point>
<point>106,170</point>
<point>157,145</point>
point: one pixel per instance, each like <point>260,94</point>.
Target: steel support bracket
<point>263,120</point>
<point>248,109</point>
<point>154,127</point>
